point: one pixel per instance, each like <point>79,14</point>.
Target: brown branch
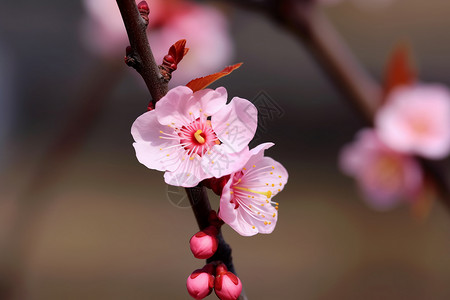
<point>140,57</point>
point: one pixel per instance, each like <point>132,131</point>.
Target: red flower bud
<point>204,243</point>
<point>227,286</point>
<point>201,282</point>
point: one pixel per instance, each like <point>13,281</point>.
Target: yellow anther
<point>274,214</point>
<point>268,194</point>
<point>244,169</point>
<point>191,158</point>
<point>273,168</point>
<point>254,166</point>
<point>281,184</point>
<point>161,131</point>
<point>198,137</point>
<point>265,223</point>
<point>270,223</point>
<point>273,184</point>
<point>253,227</point>
<point>167,154</point>
<point>271,173</point>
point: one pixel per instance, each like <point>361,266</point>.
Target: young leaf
<point>178,50</point>
<point>203,82</point>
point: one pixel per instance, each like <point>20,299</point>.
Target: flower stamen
<point>198,137</point>
<point>268,194</point>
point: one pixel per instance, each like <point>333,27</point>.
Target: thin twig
<point>144,61</point>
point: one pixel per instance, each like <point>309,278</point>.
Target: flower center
<point>197,137</point>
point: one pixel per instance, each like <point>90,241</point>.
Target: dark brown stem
<point>143,61</point>
<point>201,207</point>
<point>141,54</point>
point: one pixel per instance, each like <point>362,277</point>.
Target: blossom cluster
<point>414,122</point>
<point>197,136</point>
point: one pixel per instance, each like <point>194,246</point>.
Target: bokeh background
<point>103,226</point>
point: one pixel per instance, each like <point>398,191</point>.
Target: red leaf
<point>399,69</point>
<point>203,82</point>
<point>178,50</point>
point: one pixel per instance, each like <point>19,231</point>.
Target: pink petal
<point>235,124</point>
<point>218,162</point>
<point>209,101</point>
<point>188,174</point>
<point>173,108</point>
<point>151,150</point>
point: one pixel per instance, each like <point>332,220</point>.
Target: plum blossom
<point>246,202</point>
<point>194,136</point>
<point>204,28</point>
<point>385,176</point>
<point>416,120</point>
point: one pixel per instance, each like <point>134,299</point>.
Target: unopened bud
<point>201,282</point>
<point>227,286</point>
<point>204,243</point>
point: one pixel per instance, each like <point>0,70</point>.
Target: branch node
<point>144,11</point>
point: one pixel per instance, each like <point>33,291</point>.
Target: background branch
<point>305,20</point>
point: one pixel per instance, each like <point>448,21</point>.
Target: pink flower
<point>416,120</point>
<point>178,137</point>
<point>204,243</point>
<point>204,28</point>
<point>246,203</point>
<point>201,282</point>
<point>384,176</point>
<point>227,286</point>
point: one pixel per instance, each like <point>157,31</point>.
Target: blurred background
<point>102,226</point>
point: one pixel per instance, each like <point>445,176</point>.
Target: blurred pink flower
<point>201,282</point>
<point>178,137</point>
<point>204,28</point>
<point>245,204</point>
<point>385,177</point>
<point>416,120</point>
